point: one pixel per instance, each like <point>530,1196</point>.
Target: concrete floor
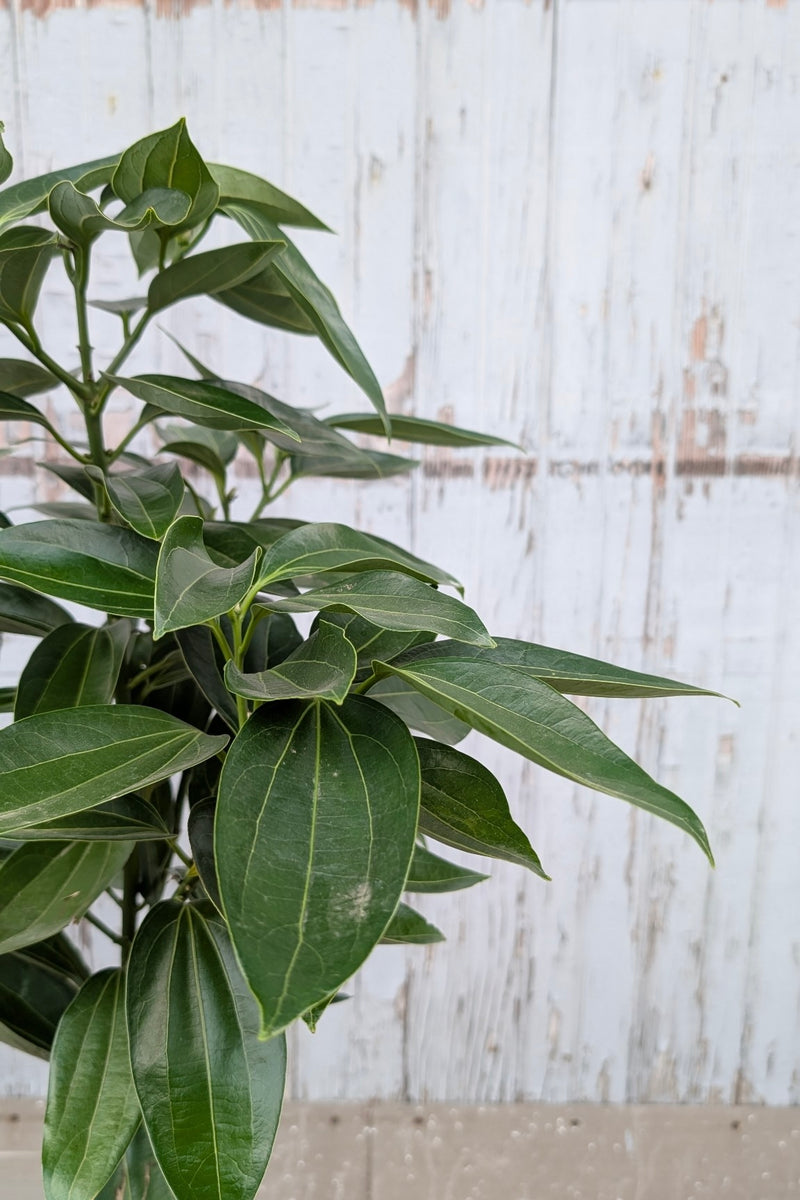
<point>509,1152</point>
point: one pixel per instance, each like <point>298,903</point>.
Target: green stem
<point>80,284</point>
<point>123,352</point>
<point>365,685</point>
<point>185,858</point>
<point>101,925</point>
<point>267,494</point>
<point>30,341</point>
<point>113,455</point>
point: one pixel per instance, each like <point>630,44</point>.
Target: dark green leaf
<point>74,665</point>
<point>315,829</point>
<point>24,611</point>
<point>29,197</point>
<point>210,1091</point>
<point>149,500</point>
<point>314,1014</point>
<point>34,992</point>
<point>6,161</point>
<point>167,159</point>
<point>24,378</point>
<point>201,402</point>
<point>8,696</point>
<point>59,763</point>
<point>138,1176</point>
<point>372,642</point>
<point>205,274</point>
<point>416,429</point>
<point>572,673</point>
<point>316,438</point>
<point>59,953</point>
<point>531,718</point>
<point>464,806</point>
<point>82,220</point>
<point>395,601</point>
<point>201,839</point>
<point>204,659</point>
<point>358,464</point>
<point>71,509</point>
<point>409,927</point>
<point>190,587</point>
<point>265,298</point>
<point>127,819</point>
<point>74,477</point>
<point>430,873</point>
<point>25,255</point>
<point>323,666</point>
<point>275,638</point>
<point>103,567</point>
<point>44,886</point>
<point>92,1109</point>
<point>276,205</point>
<point>120,307</point>
<point>315,300</point>
<point>418,711</point>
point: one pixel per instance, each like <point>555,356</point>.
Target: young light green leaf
<point>23,378</point>
<point>416,429</point>
<point>464,806</point>
<point>324,666</point>
<point>29,197</point>
<point>237,185</point>
<point>34,992</point>
<point>531,718</point>
<point>190,587</point>
<point>204,660</point>
<point>64,762</point>
<point>24,611</point>
<point>205,274</point>
<point>408,927</point>
<point>430,873</point>
<point>317,303</point>
<point>418,711</point>
<point>313,859</point>
<point>74,665</point>
<point>395,601</point>
<point>92,1108</point>
<point>6,161</point>
<point>82,220</point>
<point>44,886</point>
<point>313,548</point>
<point>209,1090</point>
<point>127,819</point>
<point>201,402</point>
<point>101,566</point>
<point>148,499</point>
<point>572,673</point>
<point>25,254</point>
<point>167,159</point>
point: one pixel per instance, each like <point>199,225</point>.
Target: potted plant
<point>257,801</point>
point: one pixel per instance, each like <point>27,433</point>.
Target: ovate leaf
<point>29,197</point>
<point>408,927</point>
<point>210,1091</point>
<point>464,806</point>
<point>58,763</point>
<point>148,499</point>
<point>190,587</point>
<point>82,220</point>
<point>201,402</point>
<point>92,1109</point>
<point>371,641</point>
<point>265,298</point>
<point>430,873</point>
<point>167,159</point>
<point>74,665</point>
<point>24,611</point>
<point>44,886</point>
<point>23,378</point>
<point>205,662</point>
<point>416,429</point>
<point>205,274</point>
<point>25,255</point>
<point>315,827</point>
<point>323,666</point>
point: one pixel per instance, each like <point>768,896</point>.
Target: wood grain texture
<point>575,224</point>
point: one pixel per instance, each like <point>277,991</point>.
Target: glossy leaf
<point>73,476</point>
<point>103,567</point>
<point>149,499</point>
<point>82,220</point>
<point>74,665</point>
<point>205,274</point>
<point>6,161</point>
<point>237,185</point>
<point>167,159</point>
<point>127,819</point>
<point>416,429</point>
<point>323,666</point>
<point>317,439</point>
<point>371,641</point>
<point>276,637</point>
<point>201,402</point>
<point>25,255</point>
<point>395,601</point>
<point>34,993</point>
<point>24,199</point>
<point>204,659</point>
<point>534,720</point>
<point>408,927</point>
<point>210,1091</point>
<point>54,764</point>
<point>315,300</point>
<point>92,1109</point>
<point>265,298</point>
<point>418,711</point>
<point>430,873</point>
<point>572,673</point>
<point>138,1176</point>
<point>24,611</point>
<point>464,806</point>
<point>201,839</point>
<point>190,587</point>
<point>44,886</point>
<point>23,378</point>
<point>313,548</point>
<point>315,828</point>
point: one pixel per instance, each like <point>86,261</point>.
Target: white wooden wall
<point>575,223</point>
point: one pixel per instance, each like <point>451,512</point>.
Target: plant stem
<point>30,341</point>
<point>185,858</point>
<point>80,284</point>
<point>119,359</point>
<point>101,925</point>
